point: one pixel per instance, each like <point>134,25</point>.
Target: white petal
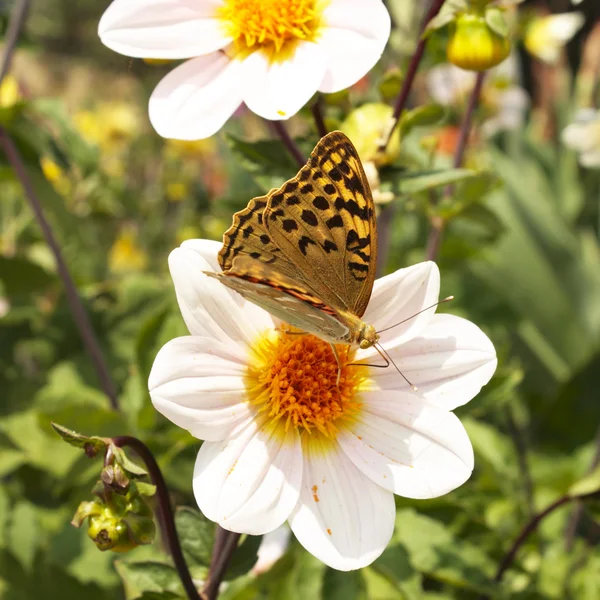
<point>408,446</point>
<point>564,26</point>
<point>195,100</point>
<point>272,548</point>
<point>353,40</point>
<point>449,362</point>
<point>163,28</point>
<point>198,384</point>
<point>590,159</point>
<point>208,307</point>
<point>208,249</point>
<point>342,517</point>
<point>278,90</point>
<point>447,83</point>
<point>400,296</point>
<point>249,483</point>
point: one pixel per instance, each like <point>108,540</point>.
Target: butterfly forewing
<point>324,222</point>
<point>306,252</point>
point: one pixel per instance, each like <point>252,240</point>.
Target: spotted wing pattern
<point>306,252</point>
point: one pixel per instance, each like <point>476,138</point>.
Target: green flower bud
<point>474,45</point>
<point>110,533</point>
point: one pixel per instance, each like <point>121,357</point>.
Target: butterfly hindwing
<point>283,299</point>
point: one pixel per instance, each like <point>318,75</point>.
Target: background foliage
<point>520,254</point>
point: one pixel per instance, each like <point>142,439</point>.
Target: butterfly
<point>306,252</point>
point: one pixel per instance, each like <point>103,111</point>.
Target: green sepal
<point>91,444</point>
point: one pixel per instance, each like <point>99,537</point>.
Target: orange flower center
<point>293,379</point>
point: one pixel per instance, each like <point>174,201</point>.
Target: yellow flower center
<point>271,25</point>
<point>293,381</point>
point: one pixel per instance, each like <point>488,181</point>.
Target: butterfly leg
<point>339,364</point>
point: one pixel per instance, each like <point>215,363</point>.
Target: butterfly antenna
<point>388,359</point>
<point>417,313</point>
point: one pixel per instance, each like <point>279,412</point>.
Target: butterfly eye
<point>364,344</point>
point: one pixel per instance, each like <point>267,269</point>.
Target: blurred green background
<point>520,254</point>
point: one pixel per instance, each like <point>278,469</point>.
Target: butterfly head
<point>367,336</point>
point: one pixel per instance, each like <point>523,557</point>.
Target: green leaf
<point>422,116</point>
<point>244,557</point>
<point>161,596</point>
<point>268,160</point>
<point>20,276</point>
<point>340,585</point>
<point>148,576</point>
<point>394,565</point>
<point>24,535</point>
<point>589,484</point>
<point>130,466</point>
<point>67,136</point>
<point>413,182</point>
<point>434,551</point>
<point>4,514</point>
<point>496,20</point>
<point>196,534</point>
<point>92,445</point>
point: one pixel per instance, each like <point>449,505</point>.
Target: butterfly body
<point>306,252</point>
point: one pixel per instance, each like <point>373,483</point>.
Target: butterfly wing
<point>283,299</point>
<point>316,275</point>
<point>322,222</point>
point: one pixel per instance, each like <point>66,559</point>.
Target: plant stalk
<point>279,128</point>
<point>164,511</point>
<point>80,316</point>
<point>437,223</point>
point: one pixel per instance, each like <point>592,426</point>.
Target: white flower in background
<point>545,37</point>
<point>504,101</point>
<point>272,55</point>
<point>583,136</point>
<point>285,442</point>
<point>272,548</point>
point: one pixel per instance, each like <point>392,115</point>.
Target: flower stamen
<point>270,25</point>
<point>294,381</point>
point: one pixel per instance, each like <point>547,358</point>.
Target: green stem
<point>437,223</point>
<point>164,511</point>
<point>78,312</point>
<point>529,528</point>
<point>412,69</point>
<point>317,112</point>
<point>279,128</point>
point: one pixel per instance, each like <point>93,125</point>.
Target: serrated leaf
<point>196,535</point>
<point>91,444</point>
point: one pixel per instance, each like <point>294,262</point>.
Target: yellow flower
<point>125,255</point>
<point>108,124</point>
<point>184,149</point>
<point>9,92</point>
<point>177,191</point>
<point>474,45</point>
<point>56,176</point>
